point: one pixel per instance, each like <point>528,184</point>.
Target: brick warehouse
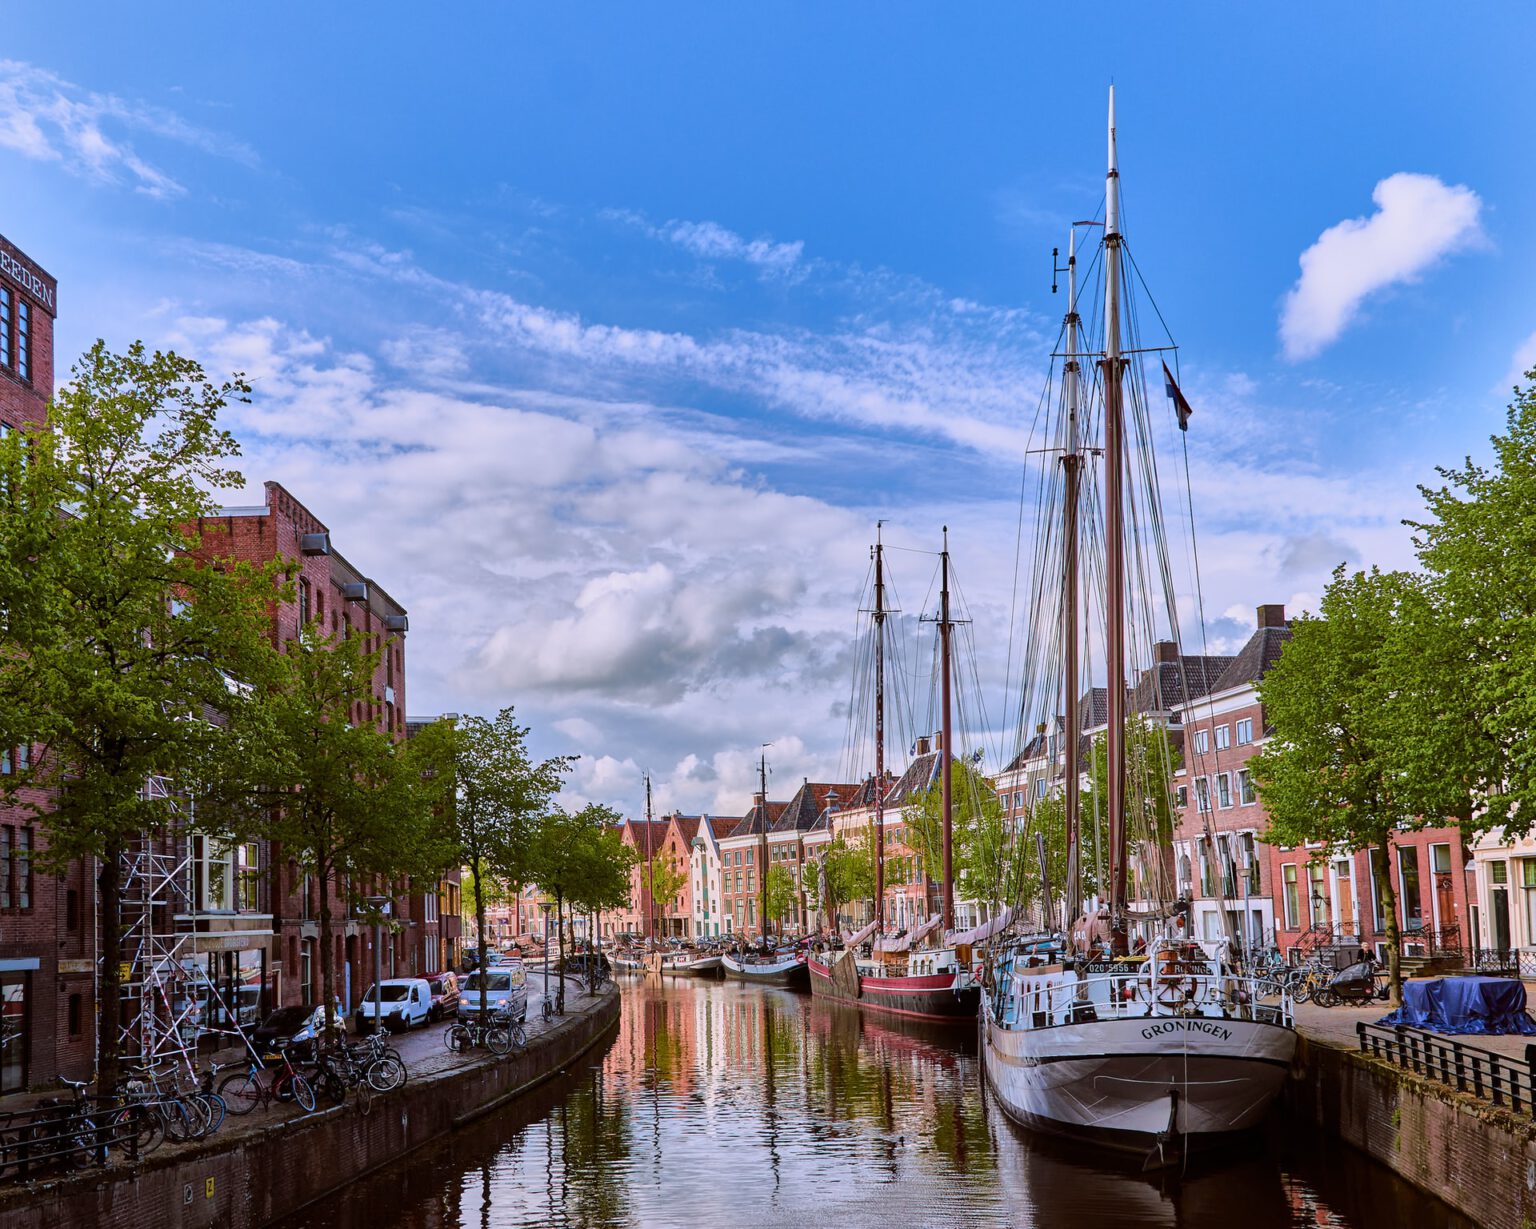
<point>282,909</point>
<point>47,922</point>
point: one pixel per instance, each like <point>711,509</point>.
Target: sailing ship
<point>765,966</point>
<point>939,981</point>
<point>1174,1047</point>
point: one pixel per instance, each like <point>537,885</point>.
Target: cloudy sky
<point>601,340</point>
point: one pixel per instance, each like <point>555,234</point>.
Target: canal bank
<point>250,1175</point>
<point>1476,1156</point>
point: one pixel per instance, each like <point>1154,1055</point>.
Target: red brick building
<point>334,595</point>
<point>47,922</point>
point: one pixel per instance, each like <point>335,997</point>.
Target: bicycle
<point>383,1068</point>
<point>243,1091</point>
<point>180,1118</point>
<point>494,1035</point>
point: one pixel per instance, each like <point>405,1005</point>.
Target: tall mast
<point>1070,462</point>
<point>879,733</point>
<point>650,861</point>
<point>946,759</point>
<point>762,769</point>
<point>1114,546</point>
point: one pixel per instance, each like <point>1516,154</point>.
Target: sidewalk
<point>1335,1027</point>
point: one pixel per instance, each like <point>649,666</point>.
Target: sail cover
<point>858,936</point>
<point>986,930</point>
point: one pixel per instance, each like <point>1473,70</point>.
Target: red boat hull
<point>919,998</point>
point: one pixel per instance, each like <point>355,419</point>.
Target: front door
<point>1500,905</point>
<point>1344,898</point>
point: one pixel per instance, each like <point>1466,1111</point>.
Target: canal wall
<point>247,1177</point>
<point>1477,1157</point>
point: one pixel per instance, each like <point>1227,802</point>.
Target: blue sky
<point>600,336</point>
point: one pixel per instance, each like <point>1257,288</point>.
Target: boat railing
<point>1031,1000</point>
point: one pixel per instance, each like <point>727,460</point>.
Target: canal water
<point>720,1104</point>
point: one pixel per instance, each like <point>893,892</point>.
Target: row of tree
<point>1410,698</point>
<point>139,659</point>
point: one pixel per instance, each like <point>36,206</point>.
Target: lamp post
<point>380,906</point>
<point>545,905</point>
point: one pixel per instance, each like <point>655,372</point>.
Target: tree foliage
<point>118,647</point>
<point>847,873</point>
<point>665,878</point>
<point>1353,704</point>
<point>979,847</point>
<point>782,897</point>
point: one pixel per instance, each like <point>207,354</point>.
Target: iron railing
<point>1486,1074</point>
<point>67,1136</point>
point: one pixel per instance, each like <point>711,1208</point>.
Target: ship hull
<point>920,998</point>
<point>791,973</point>
<point>1133,1083</point>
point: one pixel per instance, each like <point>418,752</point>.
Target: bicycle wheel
<point>199,1114</point>
<point>389,1072</point>
<point>140,1123</point>
<point>215,1104</point>
<point>456,1038</point>
<point>364,1097</point>
<point>519,1037</point>
<point>498,1041</point>
<point>241,1092</point>
<point>302,1093</point>
<point>180,1126</point>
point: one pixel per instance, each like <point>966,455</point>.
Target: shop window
<point>15,1030</point>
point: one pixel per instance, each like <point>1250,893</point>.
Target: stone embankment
<point>252,1173</point>
<point>1475,1156</point>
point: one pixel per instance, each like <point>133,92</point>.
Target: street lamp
<point>380,906</point>
<point>545,905</point>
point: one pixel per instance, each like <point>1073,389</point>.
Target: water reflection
<point>727,1104</point>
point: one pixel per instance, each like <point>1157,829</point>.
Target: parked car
<point>296,1027</point>
<point>504,991</point>
<point>445,994</point>
<point>400,1002</point>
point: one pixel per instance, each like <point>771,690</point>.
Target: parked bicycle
<point>179,1116</point>
<point>244,1090</point>
<point>497,1034</point>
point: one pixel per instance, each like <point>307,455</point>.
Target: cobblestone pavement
<point>1335,1026</point>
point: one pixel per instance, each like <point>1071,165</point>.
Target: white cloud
<point>46,118</point>
<point>1418,220</point>
<point>1520,362</point>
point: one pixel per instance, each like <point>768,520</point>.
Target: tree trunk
<point>560,930</point>
<point>109,991</point>
<point>1388,897</point>
<point>474,867</point>
<point>327,955</point>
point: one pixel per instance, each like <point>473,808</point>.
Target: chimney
<point>938,740</point>
<point>922,744</point>
<point>1165,652</point>
<point>831,800</point>
<point>1271,616</point>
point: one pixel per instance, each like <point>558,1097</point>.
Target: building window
<point>1223,790</point>
<point>1206,881</point>
<point>1202,794</point>
<point>7,313</point>
<point>1223,737</point>
<point>217,861</point>
<point>74,1015</point>
<point>249,855</point>
<point>1292,904</point>
<point>1202,741</point>
<point>1250,862</point>
<point>1245,731</point>
<point>1318,874</point>
<point>303,603</point>
<point>23,868</point>
<point>7,761</point>
<point>1245,791</point>
<point>1181,796</point>
<point>6,845</point>
<point>24,340</point>
<point>15,1025</point>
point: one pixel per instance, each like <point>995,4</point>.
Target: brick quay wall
<point>1476,1157</point>
<point>247,1178</point>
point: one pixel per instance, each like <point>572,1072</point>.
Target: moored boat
<point>1150,1053</point>
<point>767,969</point>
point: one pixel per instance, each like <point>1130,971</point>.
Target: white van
<point>504,991</point>
<point>401,1002</point>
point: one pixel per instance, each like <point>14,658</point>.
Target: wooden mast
<point>1114,548</point>
<point>762,768</point>
<point>879,733</point>
<point>946,759</point>
<point>650,863</point>
<point>1071,462</point>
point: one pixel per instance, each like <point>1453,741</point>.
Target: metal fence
<point>1487,1074</point>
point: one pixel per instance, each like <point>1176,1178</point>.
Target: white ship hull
<point>1132,1081</point>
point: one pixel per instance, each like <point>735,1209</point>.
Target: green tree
<point>576,860</point>
<point>781,895</point>
<point>847,874</point>
<point>978,836</point>
<point>1472,760</point>
<point>666,879</point>
<point>118,644</point>
<point>348,803</point>
<point>1353,703</point>
<point>493,797</point>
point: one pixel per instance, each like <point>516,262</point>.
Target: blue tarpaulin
<point>1464,1005</point>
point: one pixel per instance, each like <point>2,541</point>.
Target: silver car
<point>504,992</point>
